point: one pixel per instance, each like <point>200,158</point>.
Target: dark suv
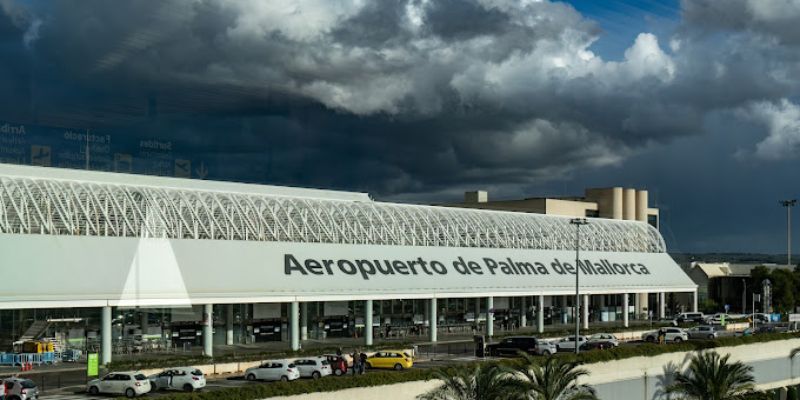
<point>528,344</point>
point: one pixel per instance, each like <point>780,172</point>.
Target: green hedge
<point>378,378</point>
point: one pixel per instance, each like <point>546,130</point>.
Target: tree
<point>481,383</point>
<point>555,380</point>
<point>712,377</point>
<point>784,284</point>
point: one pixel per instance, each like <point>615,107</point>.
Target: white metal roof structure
<point>80,203</point>
<point>94,238</point>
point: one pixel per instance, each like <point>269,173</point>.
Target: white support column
<point>294,322</point>
<point>694,301</point>
<point>523,312</point>
<point>433,320</point>
<point>662,305</point>
<point>208,330</point>
<point>229,324</point>
<point>489,316</point>
<point>637,306</point>
<point>368,322</point>
<point>585,311</point>
<point>625,307</point>
<point>105,336</point>
<point>540,314</point>
<point>304,321</point>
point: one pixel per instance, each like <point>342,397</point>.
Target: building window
<point>652,219</point>
<point>593,214</point>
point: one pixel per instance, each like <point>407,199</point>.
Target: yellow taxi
<point>395,359</point>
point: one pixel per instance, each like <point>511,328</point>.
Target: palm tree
<point>712,377</point>
<point>481,383</point>
<point>555,380</point>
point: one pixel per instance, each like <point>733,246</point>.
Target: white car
<point>131,384</point>
<point>273,370</point>
<point>568,343</point>
<point>187,379</point>
<point>18,389</point>
<point>313,367</point>
<point>676,335</point>
<point>605,338</point>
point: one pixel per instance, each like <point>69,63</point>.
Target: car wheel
<point>338,372</point>
<point>94,390</point>
<point>315,375</point>
<point>284,378</point>
<point>650,339</point>
<point>678,340</point>
<point>130,393</point>
<point>153,387</point>
<point>398,367</point>
<point>188,388</point>
<point>251,377</point>
<point>710,337</point>
<point>546,353</point>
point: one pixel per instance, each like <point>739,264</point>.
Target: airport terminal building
<point>112,262</point>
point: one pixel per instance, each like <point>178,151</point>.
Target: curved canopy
<point>79,203</point>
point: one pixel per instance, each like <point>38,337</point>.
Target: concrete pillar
<point>489,316</point>
<point>433,320</point>
<point>229,324</point>
<point>304,321</point>
<point>477,309</point>
<point>368,322</point>
<point>694,301</point>
<point>625,307</point>
<point>662,305</point>
<point>643,304</point>
<point>540,314</point>
<point>208,330</point>
<point>585,311</point>
<point>629,204</point>
<point>105,336</point>
<point>641,205</point>
<point>294,325</point>
<point>523,312</point>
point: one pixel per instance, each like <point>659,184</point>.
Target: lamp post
<point>744,296</point>
<point>788,204</point>
<point>577,222</point>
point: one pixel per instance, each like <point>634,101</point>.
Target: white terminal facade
<point>111,262</point>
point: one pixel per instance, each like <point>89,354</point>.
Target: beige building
<point>613,203</point>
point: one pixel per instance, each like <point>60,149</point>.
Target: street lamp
<point>577,222</point>
<point>788,204</point>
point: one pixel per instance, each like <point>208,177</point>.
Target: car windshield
<point>28,384</point>
<point>324,362</point>
<point>140,377</point>
<point>291,365</point>
<point>197,372</point>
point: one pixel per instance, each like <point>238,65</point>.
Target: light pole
<point>788,204</point>
<point>744,296</point>
<point>577,222</point>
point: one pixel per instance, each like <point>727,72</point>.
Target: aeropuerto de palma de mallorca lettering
<point>207,263</point>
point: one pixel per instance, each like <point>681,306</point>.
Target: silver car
<point>703,332</point>
<point>20,389</point>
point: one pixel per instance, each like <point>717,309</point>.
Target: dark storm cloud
<point>391,97</point>
<point>775,18</point>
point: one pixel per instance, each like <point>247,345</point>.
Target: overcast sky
<point>420,100</point>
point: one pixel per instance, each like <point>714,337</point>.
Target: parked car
<point>568,343</point>
<point>313,367</point>
<point>760,318</point>
<point>273,370</point>
<point>511,345</point>
<point>703,332</point>
<point>395,359</point>
<point>338,364</point>
<point>717,318</point>
<point>187,379</point>
<point>744,332</point>
<point>676,335</point>
<point>604,340</point>
<point>18,389</point>
<point>131,384</point>
<point>696,317</point>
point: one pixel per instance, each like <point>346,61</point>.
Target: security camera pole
<point>788,204</point>
<point>577,222</point>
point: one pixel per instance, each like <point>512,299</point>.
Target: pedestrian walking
<point>363,362</point>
